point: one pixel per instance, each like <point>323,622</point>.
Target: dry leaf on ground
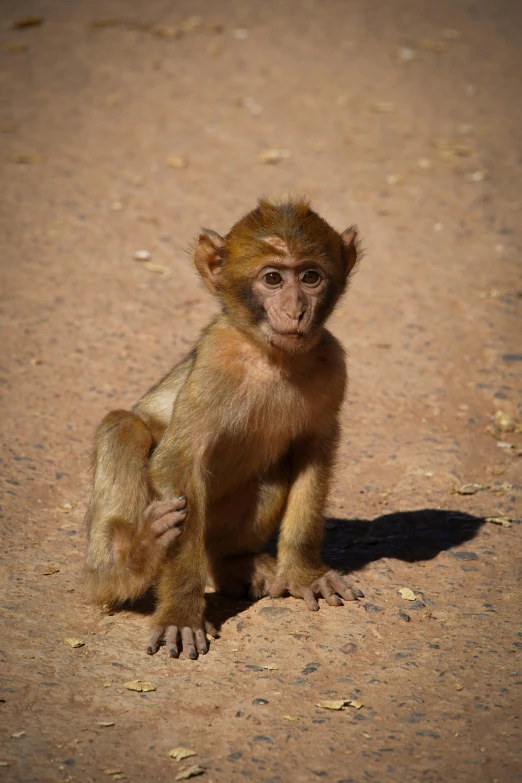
<point>470,489</point>
<point>158,269</point>
<point>48,570</point>
<point>177,163</point>
<point>138,685</point>
<point>274,155</point>
<point>72,642</point>
<point>339,704</point>
<point>191,772</point>
<point>181,753</point>
<point>503,422</point>
<point>504,521</point>
<point>27,21</point>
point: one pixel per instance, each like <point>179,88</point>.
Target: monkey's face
<point>289,300</point>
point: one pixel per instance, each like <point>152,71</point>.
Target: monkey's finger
<point>158,508</point>
<point>333,600</point>
<point>187,641</point>
<point>209,628</point>
<point>309,599</point>
<point>154,641</point>
<point>201,642</point>
<point>341,586</point>
<point>324,589</point>
<point>171,639</point>
<point>174,519</point>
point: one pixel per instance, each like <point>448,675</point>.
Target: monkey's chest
<point>262,426</point>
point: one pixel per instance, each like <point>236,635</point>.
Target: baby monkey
<point>236,442</point>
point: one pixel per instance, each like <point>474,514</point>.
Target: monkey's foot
<point>329,586</point>
<point>164,519</point>
<point>190,641</point>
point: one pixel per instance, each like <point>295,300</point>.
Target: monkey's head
<point>279,272</point>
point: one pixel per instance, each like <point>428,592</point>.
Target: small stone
<point>407,594</point>
<point>274,611</point>
<point>349,648</point>
<point>417,605</point>
<point>372,608</point>
<point>259,702</point>
<point>476,176</point>
<point>301,637</point>
<point>142,255</point>
<point>403,616</point>
<point>106,724</point>
<point>406,54</point>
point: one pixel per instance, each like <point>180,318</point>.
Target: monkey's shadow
<point>351,544</point>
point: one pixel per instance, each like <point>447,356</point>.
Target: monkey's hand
<point>329,585</point>
<point>177,639</point>
<point>163,521</point>
<point>139,551</point>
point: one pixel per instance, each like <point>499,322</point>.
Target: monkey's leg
<point>128,534</point>
<point>300,570</point>
<point>239,568</point>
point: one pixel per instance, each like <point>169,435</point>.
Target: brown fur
<point>246,427</point>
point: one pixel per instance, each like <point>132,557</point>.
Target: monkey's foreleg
<point>180,588</point>
<point>300,570</point>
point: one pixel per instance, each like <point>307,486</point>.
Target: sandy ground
<point>402,116</point>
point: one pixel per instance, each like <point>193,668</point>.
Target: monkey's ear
<point>208,258</point>
<point>350,255</point>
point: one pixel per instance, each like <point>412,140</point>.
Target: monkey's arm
<point>177,467</point>
<point>156,406</point>
<point>300,570</point>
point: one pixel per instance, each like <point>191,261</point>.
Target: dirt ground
<point>127,125</point>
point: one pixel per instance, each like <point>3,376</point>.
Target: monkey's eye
<point>311,277</point>
<point>273,278</point>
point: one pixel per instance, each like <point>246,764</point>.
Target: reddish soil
<point>403,117</point>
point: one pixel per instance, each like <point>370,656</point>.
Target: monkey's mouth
<point>294,334</point>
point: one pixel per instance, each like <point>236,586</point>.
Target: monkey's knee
<point>127,429</point>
